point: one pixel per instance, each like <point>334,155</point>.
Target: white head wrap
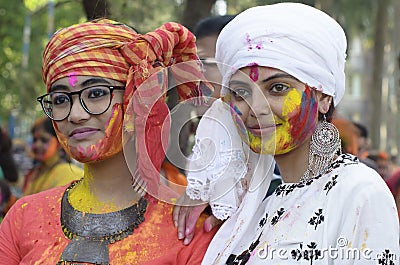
<point>295,38</point>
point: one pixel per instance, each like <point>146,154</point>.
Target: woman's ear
<point>324,102</point>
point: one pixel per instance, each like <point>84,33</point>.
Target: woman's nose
<point>259,104</point>
<point>77,113</point>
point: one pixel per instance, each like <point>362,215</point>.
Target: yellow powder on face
<point>291,102</point>
<point>278,143</point>
<point>283,139</point>
<point>113,118</point>
<point>265,147</point>
<point>275,144</point>
<point>83,199</point>
<point>255,142</point>
<point>280,140</point>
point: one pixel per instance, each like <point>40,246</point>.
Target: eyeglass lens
<point>95,100</point>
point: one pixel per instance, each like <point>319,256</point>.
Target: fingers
<point>175,214</point>
<point>211,222</point>
<point>182,221</point>
<point>178,215</point>
<point>188,238</point>
<point>192,217</point>
<point>185,217</point>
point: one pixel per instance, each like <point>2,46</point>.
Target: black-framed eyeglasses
<point>95,100</point>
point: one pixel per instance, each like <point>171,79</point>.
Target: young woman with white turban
<point>283,74</point>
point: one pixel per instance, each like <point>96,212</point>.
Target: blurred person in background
<point>206,32</point>
<point>354,140</point>
<point>364,143</point>
<point>348,134</point>
<point>52,167</point>
<point>8,168</point>
<point>174,166</point>
<point>382,161</point>
<point>8,174</point>
<point>22,156</point>
<point>6,197</point>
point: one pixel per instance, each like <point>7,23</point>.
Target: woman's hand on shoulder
<point>186,214</point>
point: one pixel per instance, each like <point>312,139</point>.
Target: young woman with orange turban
<point>106,89</point>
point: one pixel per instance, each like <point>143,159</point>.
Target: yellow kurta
<point>59,175</point>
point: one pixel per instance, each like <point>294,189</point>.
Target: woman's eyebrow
<point>278,75</point>
<point>58,87</point>
<point>88,82</point>
<point>95,80</point>
<point>238,82</point>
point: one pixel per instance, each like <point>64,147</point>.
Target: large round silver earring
<point>325,144</point>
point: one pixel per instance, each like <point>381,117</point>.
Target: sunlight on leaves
<point>33,5</point>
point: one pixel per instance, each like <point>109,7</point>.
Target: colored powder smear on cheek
<point>79,152</point>
<point>284,140</point>
<point>237,110</point>
<point>254,142</point>
<point>72,79</point>
<point>304,122</point>
<point>263,145</point>
<point>291,102</point>
<point>106,146</point>
<point>238,121</point>
<point>284,134</point>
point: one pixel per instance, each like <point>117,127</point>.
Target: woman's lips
<point>264,130</point>
<point>82,133</point>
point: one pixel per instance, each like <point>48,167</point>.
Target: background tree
<point>96,9</point>
<point>196,10</point>
<point>380,33</point>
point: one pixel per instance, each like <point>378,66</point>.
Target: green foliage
<point>236,6</point>
<point>146,15</point>
<point>10,54</point>
<point>20,86</point>
<point>33,5</point>
<point>356,16</point>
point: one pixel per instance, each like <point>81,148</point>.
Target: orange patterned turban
<point>109,49</point>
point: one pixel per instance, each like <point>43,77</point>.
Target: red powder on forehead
<point>254,73</point>
<point>72,79</point>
